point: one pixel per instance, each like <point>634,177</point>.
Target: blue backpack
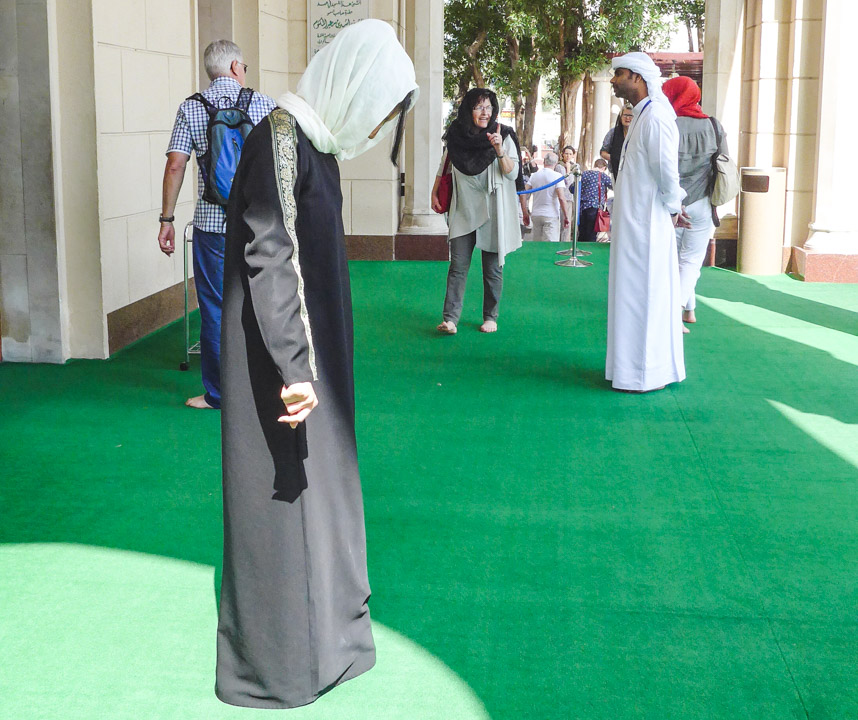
<point>225,133</point>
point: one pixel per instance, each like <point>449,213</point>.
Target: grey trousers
<point>461,251</point>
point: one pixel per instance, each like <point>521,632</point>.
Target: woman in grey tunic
<point>485,162</point>
<point>293,616</point>
<point>698,142</point>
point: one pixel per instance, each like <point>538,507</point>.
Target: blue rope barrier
<point>527,192</point>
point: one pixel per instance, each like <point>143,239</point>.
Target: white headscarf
<point>350,86</point>
<point>642,64</point>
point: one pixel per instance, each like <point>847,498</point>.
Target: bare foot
<point>688,316</point>
<point>489,326</point>
<point>685,330</point>
<point>198,402</point>
<point>447,327</point>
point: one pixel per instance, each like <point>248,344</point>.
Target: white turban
<point>350,86</point>
<point>642,64</point>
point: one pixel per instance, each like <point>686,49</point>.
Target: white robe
<point>644,303</point>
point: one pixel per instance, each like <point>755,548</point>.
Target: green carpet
<point>539,546</point>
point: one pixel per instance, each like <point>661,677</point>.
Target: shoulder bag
<point>603,217</point>
<point>724,180</point>
<point>445,187</point>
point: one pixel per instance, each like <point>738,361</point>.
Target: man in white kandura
<point>644,303</point>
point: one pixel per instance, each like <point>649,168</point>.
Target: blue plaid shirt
<point>189,134</point>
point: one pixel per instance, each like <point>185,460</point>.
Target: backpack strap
<point>245,95</point>
<point>200,98</point>
<point>710,186</point>
<point>718,135</point>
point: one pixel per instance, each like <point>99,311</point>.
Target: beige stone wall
<point>370,184</point>
<point>780,91</point>
<point>102,79</point>
<point>275,44</point>
<point>143,70</point>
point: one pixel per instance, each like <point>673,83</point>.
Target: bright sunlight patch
<point>839,437</point>
<point>100,633</point>
<point>839,345</point>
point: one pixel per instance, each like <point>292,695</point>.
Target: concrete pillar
<point>29,281</point>
<point>602,117</point>
<point>722,66</point>
<point>834,228</point>
<point>76,180</point>
<point>214,22</point>
<point>245,29</point>
<point>425,45</point>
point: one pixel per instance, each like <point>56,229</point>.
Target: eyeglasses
<point>483,108</point>
<point>244,66</point>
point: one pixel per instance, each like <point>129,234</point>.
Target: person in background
<point>528,167</point>
<point>594,194</point>
<point>484,209</point>
<point>612,145</point>
<point>226,70</point>
<point>698,142</point>
<point>550,209</point>
<point>568,163</point>
<point>534,157</point>
<point>570,168</point>
<point>523,200</point>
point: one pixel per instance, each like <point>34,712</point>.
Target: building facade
<point>89,91</point>
<point>88,94</point>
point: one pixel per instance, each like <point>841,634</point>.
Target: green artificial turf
<point>539,546</point>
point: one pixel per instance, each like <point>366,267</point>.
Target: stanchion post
<point>187,322</point>
<point>573,260</point>
<point>574,251</point>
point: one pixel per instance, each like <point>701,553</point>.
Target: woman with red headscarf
<point>699,137</point>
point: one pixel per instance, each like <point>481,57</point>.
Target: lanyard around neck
<point>629,137</point>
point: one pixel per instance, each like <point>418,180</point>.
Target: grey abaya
<point>293,619</point>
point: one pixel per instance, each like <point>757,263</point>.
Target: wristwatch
<point>166,218</point>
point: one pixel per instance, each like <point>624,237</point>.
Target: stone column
<point>425,45</point>
<point>831,250</point>
<point>722,65</point>
<point>602,95</point>
<point>30,308</point>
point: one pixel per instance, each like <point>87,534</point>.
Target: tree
<point>692,13</point>
<point>511,44</point>
<point>468,25</point>
<point>581,33</point>
<point>491,44</point>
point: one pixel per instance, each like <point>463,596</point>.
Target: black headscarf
<point>617,145</point>
<point>468,146</point>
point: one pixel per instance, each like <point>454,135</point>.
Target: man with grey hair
<point>226,69</point>
<point>549,205</point>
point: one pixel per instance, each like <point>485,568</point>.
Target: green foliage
<point>523,39</point>
<point>686,11</point>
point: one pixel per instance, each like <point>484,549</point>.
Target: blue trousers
<point>208,278</point>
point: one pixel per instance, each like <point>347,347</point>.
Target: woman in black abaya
<point>293,618</point>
